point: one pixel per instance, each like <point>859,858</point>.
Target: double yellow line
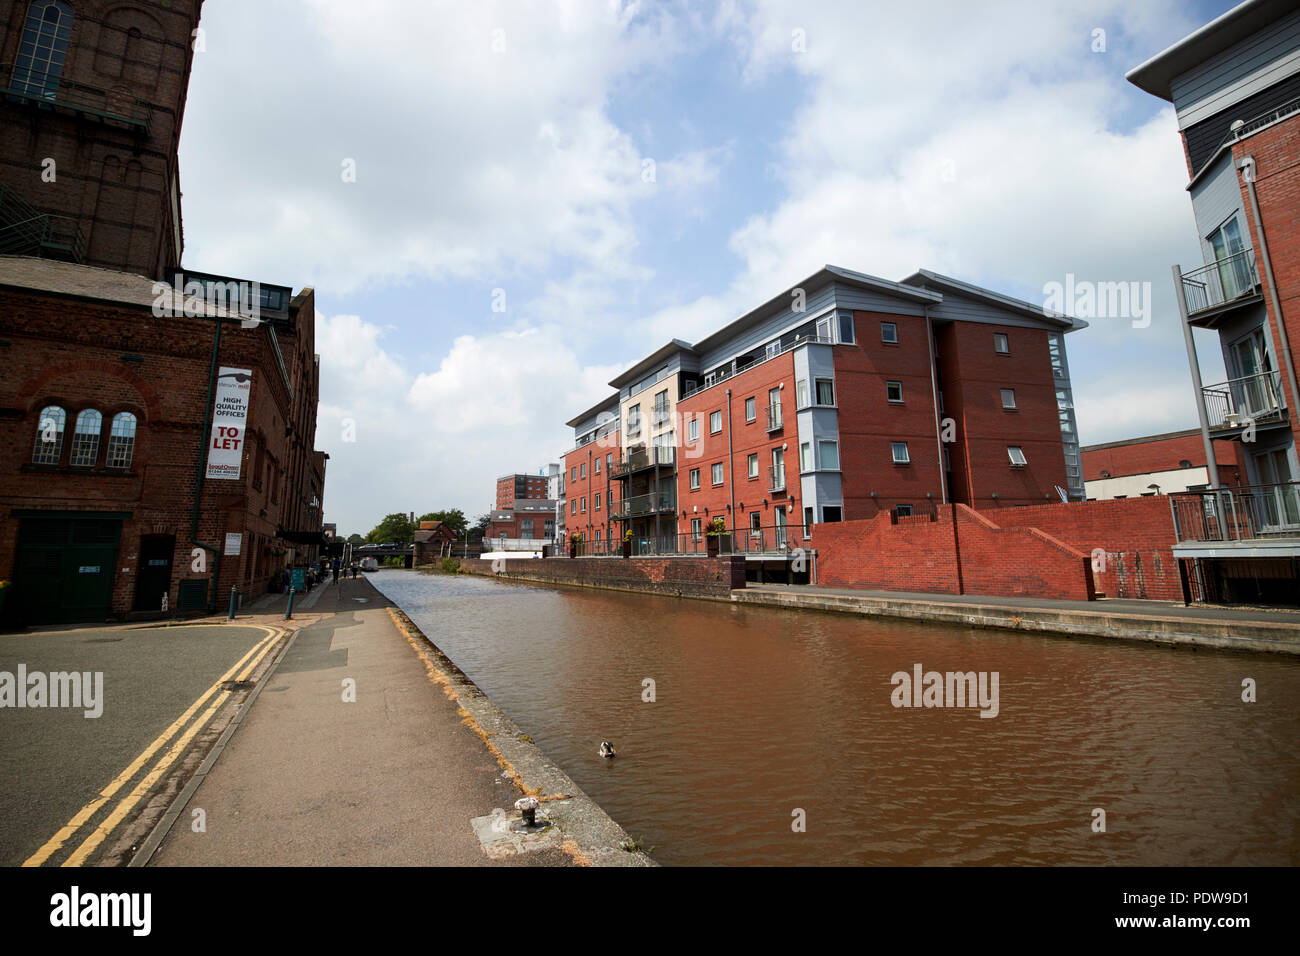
<point>243,668</point>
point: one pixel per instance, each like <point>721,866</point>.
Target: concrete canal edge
<point>587,833</point>
<point>1257,636</point>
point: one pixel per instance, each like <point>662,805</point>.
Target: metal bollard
<point>288,611</point>
<point>231,615</point>
<point>527,806</point>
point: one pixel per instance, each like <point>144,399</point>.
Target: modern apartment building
<point>1235,87</point>
<point>512,488</point>
<point>842,397</point>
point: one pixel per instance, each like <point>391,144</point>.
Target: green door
<point>65,569</point>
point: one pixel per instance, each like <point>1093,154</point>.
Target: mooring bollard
<point>528,807</point>
<point>288,611</point>
<point>231,615</point>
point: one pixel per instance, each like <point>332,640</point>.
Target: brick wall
<point>687,577</point>
<point>962,552</point>
<point>1137,535</point>
<point>585,487</point>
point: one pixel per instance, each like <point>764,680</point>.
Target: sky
<point>501,206</point>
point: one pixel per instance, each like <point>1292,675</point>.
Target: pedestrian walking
<point>336,565</point>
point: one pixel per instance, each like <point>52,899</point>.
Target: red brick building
<point>108,500</point>
<point>512,488</point>
<point>872,396</point>
<point>1173,462</point>
<point>591,493</point>
<point>90,121</point>
<point>158,424</point>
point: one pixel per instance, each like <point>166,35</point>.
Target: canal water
<point>760,714</point>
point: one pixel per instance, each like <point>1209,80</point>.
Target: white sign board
<point>229,417</point>
<point>233,542</point>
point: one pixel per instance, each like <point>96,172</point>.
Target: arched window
<point>85,438</point>
<point>49,435</point>
<point>121,441</point>
<point>41,51</point>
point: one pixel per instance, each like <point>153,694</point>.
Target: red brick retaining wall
<point>689,577</point>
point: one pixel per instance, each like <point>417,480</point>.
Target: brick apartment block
<point>842,398</point>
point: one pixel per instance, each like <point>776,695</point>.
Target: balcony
<point>1252,513</point>
<point>727,372</point>
<point>776,478</point>
<point>639,505</point>
<point>1221,287</point>
<point>26,231</point>
<point>775,422</point>
<point>37,89</point>
<point>1236,403</point>
<point>640,459</point>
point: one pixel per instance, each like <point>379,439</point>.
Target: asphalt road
<point>53,762</point>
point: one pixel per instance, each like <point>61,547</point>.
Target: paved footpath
<point>393,778</point>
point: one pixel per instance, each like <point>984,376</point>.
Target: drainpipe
<point>731,467</point>
<point>1248,162</point>
<point>201,470</point>
<point>934,398</point>
<point>1212,466</point>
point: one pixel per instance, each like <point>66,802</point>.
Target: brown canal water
<point>760,713</point>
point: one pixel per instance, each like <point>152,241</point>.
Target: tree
<point>480,527</point>
<point>453,518</point>
<point>394,529</point>
<point>355,539</point>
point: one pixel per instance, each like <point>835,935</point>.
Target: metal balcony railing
<point>718,376</point>
<point>1237,514</point>
<point>639,458</point>
<point>776,478</point>
<point>26,231</point>
<point>1221,282</point>
<point>637,505</point>
<point>1239,401</point>
<point>38,88</point>
<point>774,420</point>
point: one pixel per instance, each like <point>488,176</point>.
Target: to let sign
<point>229,419</point>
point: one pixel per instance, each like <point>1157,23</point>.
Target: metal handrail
<point>1233,403</point>
<point>1205,288</point>
<point>81,97</point>
<point>1237,514</point>
<point>723,374</point>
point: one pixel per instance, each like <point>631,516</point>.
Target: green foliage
<point>480,527</point>
<point>716,527</point>
<point>450,565</point>
<point>394,529</point>
<point>355,539</point>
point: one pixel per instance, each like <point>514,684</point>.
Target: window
<point>49,435</point>
<point>1000,343</point>
<point>697,528</point>
<point>717,473</point>
<point>778,469</point>
<point>661,407</point>
<point>889,332</point>
<point>832,514</point>
<point>575,473</point>
<point>693,430</point>
<point>805,457</point>
<point>85,438</point>
<point>824,329</point>
<point>801,393</point>
<point>894,391</point>
<point>573,509</point>
<point>44,45</point>
<point>846,328</point>
<point>903,511</point>
<point>829,453</point>
<point>752,465</point>
<point>526,527</point>
<point>609,461</point>
<point>121,441</point>
<point>634,421</point>
<point>695,479</point>
<point>549,527</point>
<point>750,412</point>
<point>584,505</point>
<point>755,522</point>
<point>1016,455</point>
<point>598,501</point>
<point>583,471</point>
<point>774,409</point>
<point>1234,271</point>
<point>597,467</point>
<point>900,453</point>
<point>825,391</point>
<point>807,522</point>
<point>1008,398</point>
<point>1184,464</point>
<point>715,422</point>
